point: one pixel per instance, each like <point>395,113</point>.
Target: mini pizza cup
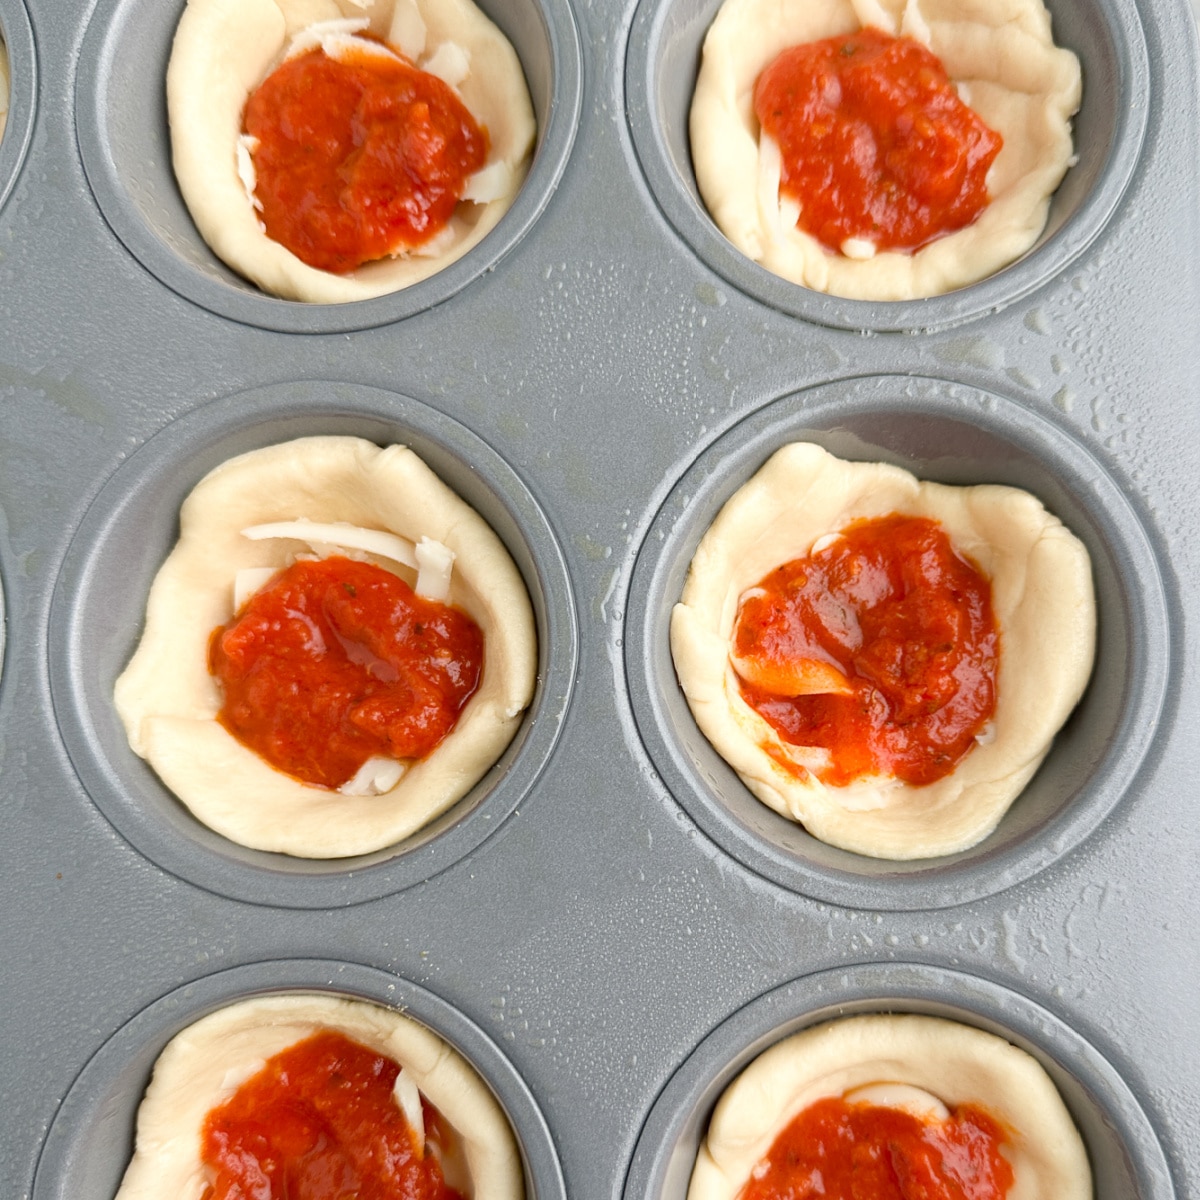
<point>1003,61</point>
<point>1044,606</point>
<point>169,702</point>
<point>955,1063</point>
<point>224,49</point>
<point>204,1064</point>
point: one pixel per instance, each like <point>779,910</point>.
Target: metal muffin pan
<point>86,1150</point>
<point>1106,36</point>
<point>97,619</point>
<point>955,435</point>
<point>605,927</point>
<point>126,148</point>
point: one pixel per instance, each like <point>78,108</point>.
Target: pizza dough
<point>204,1065</point>
<point>169,702</point>
<point>956,1063</point>
<point>1003,60</point>
<point>224,48</point>
<point>1042,599</point>
<point>3,87</point>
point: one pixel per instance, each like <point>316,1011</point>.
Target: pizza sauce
<point>334,662</point>
<point>319,1121</point>
<point>875,142</point>
<point>842,1151</point>
<point>358,157</point>
<point>880,647</point>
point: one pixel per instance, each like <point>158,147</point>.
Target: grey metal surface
<point>619,931</point>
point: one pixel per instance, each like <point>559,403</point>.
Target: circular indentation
<point>100,600</point>
<point>91,1138</point>
<point>1127,1160</point>
<point>662,63</point>
<point>957,435</point>
<point>125,145</point>
<point>17,36</point>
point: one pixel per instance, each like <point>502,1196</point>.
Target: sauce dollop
<point>875,142</point>
<point>842,1151</point>
<point>900,624</point>
<point>359,156</point>
<point>319,1122</point>
<point>336,661</point>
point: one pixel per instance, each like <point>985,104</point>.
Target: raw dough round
<point>956,1063</point>
<point>1044,607</point>
<point>204,1065</point>
<point>1004,62</point>
<point>224,48</point>
<point>169,702</point>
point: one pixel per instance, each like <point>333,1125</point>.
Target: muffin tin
<point>607,926</point>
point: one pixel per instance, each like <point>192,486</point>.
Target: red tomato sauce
<point>876,143</point>
<point>335,662</point>
<point>319,1122</point>
<point>908,623</point>
<point>841,1151</point>
<point>359,156</point>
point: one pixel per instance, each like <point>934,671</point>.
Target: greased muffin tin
<point>606,926</point>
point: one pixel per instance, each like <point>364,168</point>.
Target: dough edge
<point>4,86</point>
<point>189,1080</point>
<point>958,1063</point>
<point>225,48</point>
<point>1042,597</point>
<point>1022,61</point>
<point>168,701</point>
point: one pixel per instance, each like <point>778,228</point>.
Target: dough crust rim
<point>202,1065</point>
<point>1003,56</point>
<point>224,48</point>
<point>957,1063</point>
<point>1042,597</point>
<point>168,701</point>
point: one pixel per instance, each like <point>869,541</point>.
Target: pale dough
<point>202,1067</point>
<point>999,53</point>
<point>224,48</point>
<point>956,1063</point>
<point>169,702</point>
<point>3,87</point>
<point>1044,606</point>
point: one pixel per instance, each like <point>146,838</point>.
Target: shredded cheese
<point>375,777</point>
<point>906,1097</point>
<point>246,146</point>
<point>407,32</point>
<point>408,1099</point>
<point>434,564</point>
<point>249,581</point>
<point>433,561</point>
<point>330,36</point>
<point>450,63</point>
<point>489,183</point>
<point>316,533</point>
<point>858,248</point>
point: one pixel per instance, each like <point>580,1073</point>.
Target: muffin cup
<point>956,435</point>
<point>660,73</point>
<point>1127,1161</point>
<point>124,140</point>
<point>100,601</point>
<point>90,1141</point>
